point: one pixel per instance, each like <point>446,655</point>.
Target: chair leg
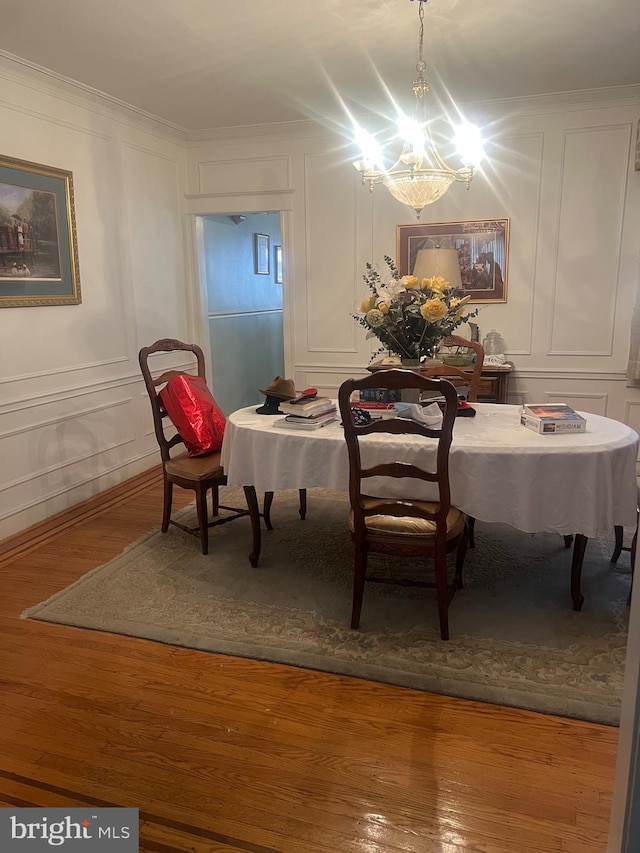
<point>471,524</point>
<point>303,503</point>
<point>359,573</point>
<point>201,509</point>
<point>266,510</point>
<point>442,592</point>
<point>617,550</point>
<point>632,549</point>
<point>215,501</point>
<point>461,553</point>
<point>166,504</point>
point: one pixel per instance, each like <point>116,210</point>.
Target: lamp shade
<point>433,262</point>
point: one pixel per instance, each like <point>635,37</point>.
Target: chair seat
<point>410,526</point>
<point>195,467</point>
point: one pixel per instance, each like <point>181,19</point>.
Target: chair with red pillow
<point>201,473</point>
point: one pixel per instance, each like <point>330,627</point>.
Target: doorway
<point>243,278</point>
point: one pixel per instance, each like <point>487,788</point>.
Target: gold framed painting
<point>482,247</point>
<point>38,242</point>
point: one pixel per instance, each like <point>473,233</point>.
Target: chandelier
<point>420,175</point>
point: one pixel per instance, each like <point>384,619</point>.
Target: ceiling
<point>204,64</point>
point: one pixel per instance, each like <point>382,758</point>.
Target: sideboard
<point>494,383</point>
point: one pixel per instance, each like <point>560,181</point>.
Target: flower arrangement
<point>410,316</point>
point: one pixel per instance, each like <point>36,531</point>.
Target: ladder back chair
<point>201,474</point>
<point>460,377</point>
<point>403,526</point>
<point>457,375</point>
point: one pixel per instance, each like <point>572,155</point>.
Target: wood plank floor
<point>224,755</point>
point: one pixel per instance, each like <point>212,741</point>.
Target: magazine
<point>546,418</point>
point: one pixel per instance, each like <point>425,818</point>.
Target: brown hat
<point>283,389</point>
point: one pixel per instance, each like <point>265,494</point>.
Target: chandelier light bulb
<point>372,155</point>
<point>469,144</point>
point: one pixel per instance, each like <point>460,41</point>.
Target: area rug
<point>515,640</point>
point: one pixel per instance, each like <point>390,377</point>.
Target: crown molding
<point>607,96</point>
<point>302,129</point>
<point>23,72</point>
<point>42,79</point>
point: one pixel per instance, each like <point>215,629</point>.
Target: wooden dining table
<point>576,485</point>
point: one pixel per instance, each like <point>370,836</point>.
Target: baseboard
<point>34,536</point>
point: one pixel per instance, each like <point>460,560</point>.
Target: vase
<point>410,395</point>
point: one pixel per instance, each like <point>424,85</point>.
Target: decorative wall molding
<point>71,416</point>
<point>254,201</point>
<point>533,373</point>
<point>43,472</point>
<point>42,374</point>
<point>74,126</point>
<point>221,315</point>
<point>569,374</point>
<point>130,464</point>
<point>47,398</point>
<point>244,173</point>
<point>25,73</point>
<point>587,245</point>
<point>560,102</point>
<point>31,538</point>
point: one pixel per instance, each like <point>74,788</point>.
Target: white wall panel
<point>68,374</point>
<point>508,187</point>
<point>593,184</point>
<point>330,221</point>
<point>258,174</point>
<point>155,243</point>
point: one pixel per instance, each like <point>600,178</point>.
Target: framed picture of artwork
<point>38,243</point>
<point>277,264</point>
<point>482,247</point>
<point>261,254</point>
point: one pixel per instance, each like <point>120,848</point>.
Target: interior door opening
<point>243,279</point>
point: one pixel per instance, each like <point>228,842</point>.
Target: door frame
<point>228,204</point>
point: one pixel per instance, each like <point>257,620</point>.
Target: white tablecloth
<point>498,469</point>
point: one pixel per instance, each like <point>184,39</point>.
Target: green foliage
<point>410,317</point>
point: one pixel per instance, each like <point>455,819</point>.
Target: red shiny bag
<point>194,413</point>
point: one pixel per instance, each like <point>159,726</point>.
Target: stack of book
<point>308,413</point>
<point>546,418</point>
<point>374,399</point>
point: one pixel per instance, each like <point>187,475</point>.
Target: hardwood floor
<point>224,755</point>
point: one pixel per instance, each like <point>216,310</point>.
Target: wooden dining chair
<point>458,375</point>
<point>201,474</point>
<point>619,545</point>
<point>461,377</point>
<point>403,526</point>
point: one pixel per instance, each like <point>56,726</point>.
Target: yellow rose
<point>460,303</point>
<point>409,281</point>
<point>454,302</point>
<point>434,309</point>
<point>367,304</point>
<point>382,306</point>
<point>438,283</point>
